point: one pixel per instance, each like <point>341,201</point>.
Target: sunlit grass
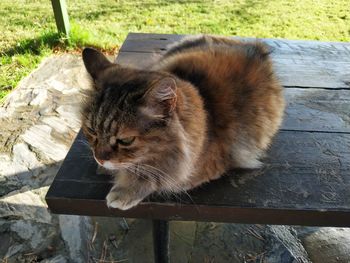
<point>28,28</point>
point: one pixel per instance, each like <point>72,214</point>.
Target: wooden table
<point>306,179</point>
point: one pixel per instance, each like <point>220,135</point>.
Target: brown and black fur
<point>208,105</point>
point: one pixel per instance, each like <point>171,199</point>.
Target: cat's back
<point>234,78</point>
<point>242,98</point>
<point>212,57</point>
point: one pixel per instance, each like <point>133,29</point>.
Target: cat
<point>209,104</point>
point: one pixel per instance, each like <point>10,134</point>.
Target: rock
<point>39,97</point>
<point>4,237</point>
<point>28,231</point>
<point>328,245</point>
<point>7,185</point>
<point>76,232</point>
<point>22,155</point>
<point>217,242</point>
<point>38,136</point>
<point>3,113</point>
<point>71,115</point>
<point>35,139</point>
<point>57,84</point>
<point>182,236</point>
<point>10,168</point>
<point>56,259</point>
<point>26,205</point>
<point>27,240</point>
<point>285,246</point>
<point>13,250</point>
<point>14,173</point>
<point>56,123</point>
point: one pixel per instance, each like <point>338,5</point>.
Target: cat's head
<point>128,117</point>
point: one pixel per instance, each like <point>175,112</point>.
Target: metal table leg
<point>161,241</point>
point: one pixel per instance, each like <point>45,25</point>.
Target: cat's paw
<point>122,199</point>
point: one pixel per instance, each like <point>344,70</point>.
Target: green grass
<point>28,28</point>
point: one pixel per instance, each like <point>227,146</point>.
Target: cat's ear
<point>161,98</point>
<point>95,62</point>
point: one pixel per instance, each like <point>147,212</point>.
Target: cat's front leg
<point>128,191</point>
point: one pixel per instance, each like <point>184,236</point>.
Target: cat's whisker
<point>163,175</point>
<point>159,171</point>
<point>146,178</point>
<point>166,178</point>
<point>148,173</point>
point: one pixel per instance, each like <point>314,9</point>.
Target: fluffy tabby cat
<point>208,105</point>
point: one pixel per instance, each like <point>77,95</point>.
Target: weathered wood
<point>297,63</point>
<point>305,181</point>
<point>291,72</point>
<point>61,16</point>
<point>317,110</point>
<point>332,51</point>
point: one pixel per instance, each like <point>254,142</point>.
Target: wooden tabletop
<point>306,177</point>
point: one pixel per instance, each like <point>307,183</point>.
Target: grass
<point>28,28</point>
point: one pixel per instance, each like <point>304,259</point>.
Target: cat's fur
<point>208,105</point>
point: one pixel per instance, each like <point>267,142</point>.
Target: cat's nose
<point>103,155</point>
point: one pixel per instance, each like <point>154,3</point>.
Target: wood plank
<point>317,110</point>
<point>333,51</point>
<point>186,212</point>
<point>291,73</point>
<point>297,63</point>
<point>305,181</point>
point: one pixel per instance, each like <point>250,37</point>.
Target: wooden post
<point>61,16</point>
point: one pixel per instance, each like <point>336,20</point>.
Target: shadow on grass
<point>35,45</point>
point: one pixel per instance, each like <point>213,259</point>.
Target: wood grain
<point>297,63</point>
<point>303,172</point>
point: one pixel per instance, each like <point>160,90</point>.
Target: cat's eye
<point>126,141</point>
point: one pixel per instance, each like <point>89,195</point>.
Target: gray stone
<point>75,231</point>
<point>285,246</point>
<point>236,243</point>
<point>3,113</point>
<point>328,245</point>
<point>22,155</point>
<point>71,115</point>
<point>182,236</point>
<point>56,123</point>
<point>4,244</point>
<point>28,231</point>
<point>10,168</point>
<point>28,240</point>
<point>38,136</point>
<point>13,250</point>
<point>39,97</point>
<point>28,116</point>
<point>56,259</point>
<point>26,205</point>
